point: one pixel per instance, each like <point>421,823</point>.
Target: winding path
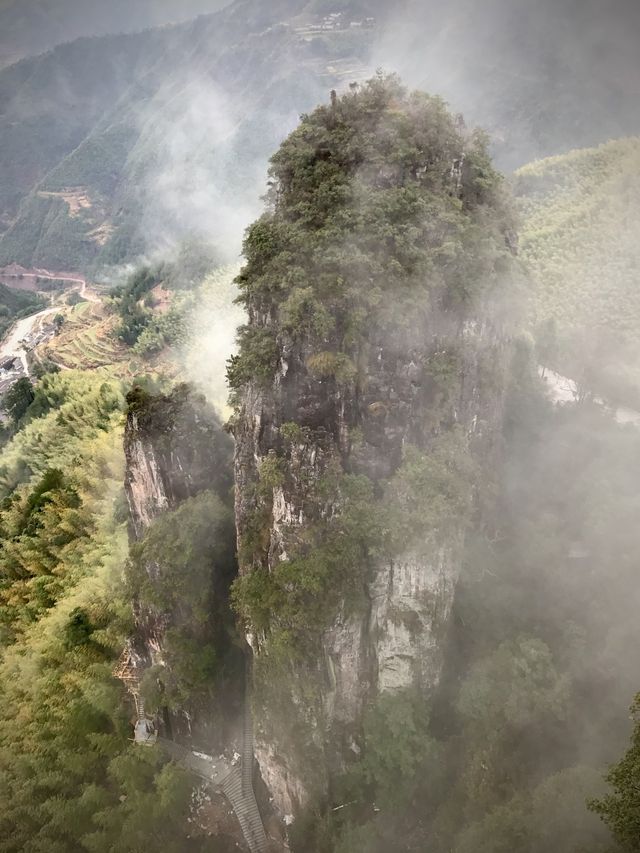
<point>230,780</point>
<point>75,278</point>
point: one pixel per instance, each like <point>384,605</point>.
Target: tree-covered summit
<point>378,199</point>
<point>368,391</point>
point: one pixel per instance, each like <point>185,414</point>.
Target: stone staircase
<point>223,776</point>
<point>236,783</point>
<point>246,809</point>
<point>247,742</point>
<point>215,771</point>
<point>239,785</point>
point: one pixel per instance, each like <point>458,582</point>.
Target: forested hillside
<point>579,236</point>
<point>70,778</point>
<point>29,27</point>
<point>106,144</point>
<point>579,240</point>
<point>104,181</point>
<point>50,104</point>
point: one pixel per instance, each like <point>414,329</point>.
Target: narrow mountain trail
<point>84,291</point>
<point>235,782</point>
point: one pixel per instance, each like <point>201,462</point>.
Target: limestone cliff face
<point>176,450</point>
<point>369,399</point>
<point>392,638</point>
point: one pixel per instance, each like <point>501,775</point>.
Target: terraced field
<point>87,341</point>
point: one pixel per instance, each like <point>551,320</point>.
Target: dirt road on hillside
<point>19,273</point>
<point>27,329</point>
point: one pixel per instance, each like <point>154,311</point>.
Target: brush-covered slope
<point>49,105</point>
<point>113,147</point>
<point>71,778</point>
<point>116,146</point>
<point>581,224</point>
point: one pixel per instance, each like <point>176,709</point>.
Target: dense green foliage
<point>129,300</point>
<point>15,304</point>
<point>18,399</point>
<point>148,331</point>
<point>364,215</point>
<point>382,214</point>
<point>579,240</point>
<point>194,548</point>
<point>56,475</point>
<point>293,603</point>
<point>621,808</point>
<point>533,701</point>
<point>70,778</point>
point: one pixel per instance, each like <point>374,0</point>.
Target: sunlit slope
<point>581,237</point>
<point>88,340</point>
<point>65,754</point>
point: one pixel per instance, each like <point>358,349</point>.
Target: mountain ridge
<point>246,73</point>
<point>31,27</point>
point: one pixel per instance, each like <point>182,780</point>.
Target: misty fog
<point>319,505</point>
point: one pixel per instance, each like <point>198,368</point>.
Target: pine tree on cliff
<point>370,371</point>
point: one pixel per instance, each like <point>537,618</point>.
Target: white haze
<point>527,72</point>
<point>212,336</point>
<point>490,61</point>
<point>542,77</point>
<point>190,186</point>
<point>195,192</point>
